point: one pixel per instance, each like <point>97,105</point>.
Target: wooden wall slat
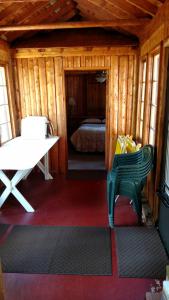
<point>32,86</point>
<point>61,113</point>
<point>21,87</point>
<point>129,102</point>
<point>37,87</point>
<point>43,86</point>
<point>17,90</point>
<point>123,73</point>
<point>26,87</point>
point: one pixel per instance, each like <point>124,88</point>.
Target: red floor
<point>70,202</point>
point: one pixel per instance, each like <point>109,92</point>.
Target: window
<point>143,89</point>
<point>5,123</point>
<point>154,97</point>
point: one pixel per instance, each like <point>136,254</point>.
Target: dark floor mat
<point>3,228</point>
<point>57,250</point>
<point>140,253</point>
<point>86,174</point>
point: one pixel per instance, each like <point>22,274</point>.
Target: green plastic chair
<point>128,177</point>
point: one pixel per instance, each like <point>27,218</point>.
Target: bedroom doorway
<point>86,119</point>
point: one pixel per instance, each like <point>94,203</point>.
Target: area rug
<point>57,250</point>
<point>140,253</point>
<point>3,228</point>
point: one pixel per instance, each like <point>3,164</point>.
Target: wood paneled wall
<point>39,78</point>
<point>155,37</point>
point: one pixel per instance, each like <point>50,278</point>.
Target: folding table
<point>23,155</point>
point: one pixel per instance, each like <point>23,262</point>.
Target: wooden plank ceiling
<point>126,16</point>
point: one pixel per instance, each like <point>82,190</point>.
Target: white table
<point>23,155</point>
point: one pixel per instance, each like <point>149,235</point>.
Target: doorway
<point>86,119</point>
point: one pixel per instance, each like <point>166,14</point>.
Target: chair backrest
<point>34,127</point>
<point>128,158</point>
<point>138,170</point>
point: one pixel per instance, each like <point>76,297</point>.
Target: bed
<point>89,137</point>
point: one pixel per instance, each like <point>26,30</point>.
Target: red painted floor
<point>70,202</point>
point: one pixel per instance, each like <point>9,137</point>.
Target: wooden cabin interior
<point>52,56</point>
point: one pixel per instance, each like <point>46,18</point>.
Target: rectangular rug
<point>3,228</point>
<point>140,253</point>
<point>57,250</point>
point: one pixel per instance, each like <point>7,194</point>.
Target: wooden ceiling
<point>24,18</point>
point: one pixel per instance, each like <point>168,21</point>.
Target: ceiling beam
<point>68,25</point>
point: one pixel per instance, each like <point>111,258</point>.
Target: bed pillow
<point>104,121</point>
<point>91,121</point>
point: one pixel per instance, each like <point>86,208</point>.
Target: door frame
<point>107,110</point>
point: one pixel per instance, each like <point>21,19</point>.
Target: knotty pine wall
<point>39,79</point>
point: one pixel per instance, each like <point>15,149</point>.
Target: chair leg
<point>111,205</point>
<point>138,206</point>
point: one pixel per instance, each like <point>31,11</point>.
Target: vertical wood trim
<point>147,101</point>
<point>61,114</point>
<point>113,108</point>
<point>37,88</point>
<point>123,74</point>
<point>129,105</point>
<point>17,91</point>
<point>26,87</point>
<point>135,94</point>
<point>11,97</point>
<point>43,86</point>
<point>139,100</point>
<point>21,87</point>
<point>32,87</point>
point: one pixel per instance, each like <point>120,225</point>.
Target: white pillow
<point>91,121</point>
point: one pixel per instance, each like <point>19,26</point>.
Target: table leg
<point>45,168</point>
<point>11,188</point>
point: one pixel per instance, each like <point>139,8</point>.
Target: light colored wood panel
<point>135,94</point>
<point>26,87</point>
<point>52,88</point>
<point>76,62</point>
<point>4,51</point>
<point>17,90</point>
<point>11,97</point>
<point>70,62</point>
<point>123,73</point>
<point>112,109</point>
<point>88,61</point>
<point>72,51</point>
<point>21,87</point>
<point>43,86</point>
<point>37,88</point>
<point>129,104</point>
<point>83,61</point>
<point>147,101</point>
<point>32,87</point>
<point>61,114</point>
<point>107,61</point>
